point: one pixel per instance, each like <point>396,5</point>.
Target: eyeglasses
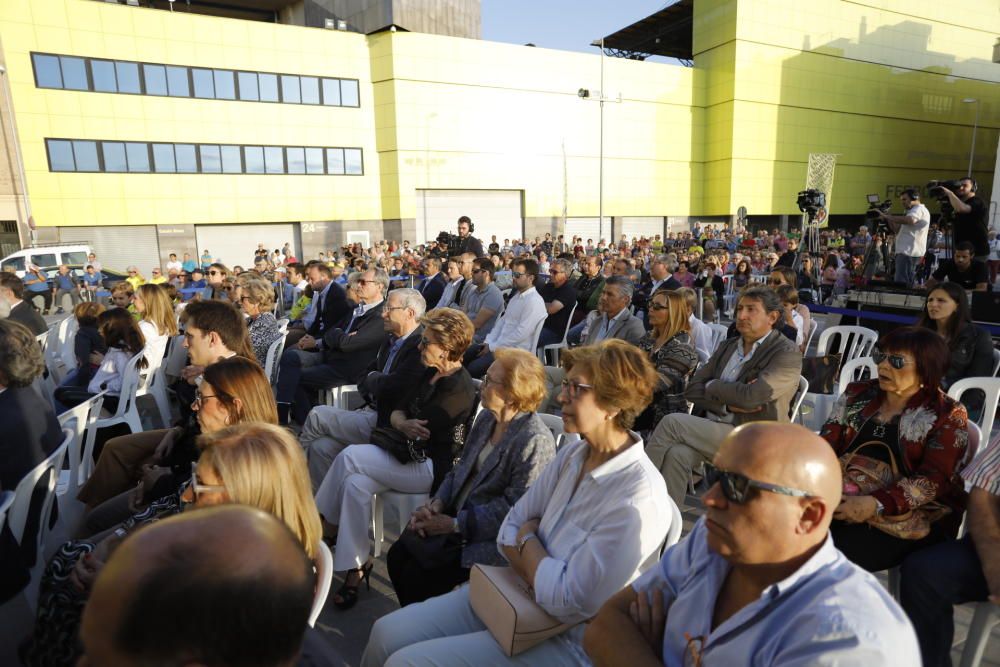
<point>215,273</point>
<point>573,388</point>
<point>425,341</point>
<point>736,487</point>
<point>388,308</point>
<point>362,281</point>
<point>197,489</point>
<point>517,274</point>
<point>653,305</point>
<point>897,361</point>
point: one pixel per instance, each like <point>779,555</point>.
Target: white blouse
<point>156,343</point>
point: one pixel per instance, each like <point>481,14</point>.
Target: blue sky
<point>568,25</point>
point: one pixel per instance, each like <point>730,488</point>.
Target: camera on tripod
<point>453,241</point>
<point>936,189</point>
<point>876,207</point>
<point>811,202</point>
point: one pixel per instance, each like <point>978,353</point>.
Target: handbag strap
<point>848,457</point>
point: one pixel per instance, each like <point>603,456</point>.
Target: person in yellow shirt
<point>158,277</point>
<point>135,278</point>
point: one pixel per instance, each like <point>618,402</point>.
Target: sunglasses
<point>215,273</point>
<point>897,361</point>
<point>517,274</point>
<point>736,487</point>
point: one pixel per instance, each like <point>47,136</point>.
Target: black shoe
<point>349,594</point>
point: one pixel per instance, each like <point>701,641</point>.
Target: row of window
<point>161,158</point>
<point>123,76</point>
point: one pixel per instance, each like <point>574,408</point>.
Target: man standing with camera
<point>911,235</point>
<point>469,243</point>
<point>971,216</point>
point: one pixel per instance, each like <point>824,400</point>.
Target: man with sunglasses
<point>759,580</point>
<point>484,301</point>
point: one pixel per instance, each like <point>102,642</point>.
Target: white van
<point>45,256</point>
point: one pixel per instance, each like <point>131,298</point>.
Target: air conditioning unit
<point>341,24</point>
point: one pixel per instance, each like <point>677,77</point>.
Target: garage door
<point>588,228</point>
<point>637,227</point>
<point>235,244</point>
<point>118,247</point>
<point>493,212</point>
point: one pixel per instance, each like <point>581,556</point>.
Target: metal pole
<point>972,149</point>
<point>600,168</point>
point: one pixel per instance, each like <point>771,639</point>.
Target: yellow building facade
<point>879,82</point>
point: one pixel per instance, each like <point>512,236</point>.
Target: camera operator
<point>971,215</point>
<point>911,234</point>
<point>469,242</point>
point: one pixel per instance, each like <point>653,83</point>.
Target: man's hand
<point>307,342</point>
<point>191,373</point>
<point>650,618</point>
<point>856,509</point>
<point>166,445</point>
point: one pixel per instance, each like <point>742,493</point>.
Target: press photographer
<point>910,229</point>
<point>969,213</point>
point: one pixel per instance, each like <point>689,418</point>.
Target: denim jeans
<point>906,269</point>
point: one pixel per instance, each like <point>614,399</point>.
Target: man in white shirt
<point>911,235</point>
<point>518,326</point>
<point>173,264</point>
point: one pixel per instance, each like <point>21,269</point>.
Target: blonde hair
<point>159,310</point>
<point>257,289</point>
<point>677,316</point>
<point>452,328</point>
<point>524,378</point>
<point>263,466</point>
<point>622,375</point>
<point>241,378</point>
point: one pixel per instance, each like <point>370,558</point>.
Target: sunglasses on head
<point>737,488</point>
<point>897,361</point>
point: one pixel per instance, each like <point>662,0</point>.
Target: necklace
<point>879,430</point>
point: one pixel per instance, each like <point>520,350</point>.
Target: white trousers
<point>328,431</point>
<point>445,631</point>
<point>344,498</point>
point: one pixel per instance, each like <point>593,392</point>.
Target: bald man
<point>227,585</point>
<point>758,581</point>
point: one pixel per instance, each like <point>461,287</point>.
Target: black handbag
<point>822,373</point>
<point>433,551</point>
<point>396,443</point>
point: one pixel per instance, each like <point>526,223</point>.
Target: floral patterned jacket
<point>933,438</point>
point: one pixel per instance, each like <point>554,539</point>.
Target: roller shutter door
<point>493,212</point>
<point>588,228</point>
<point>637,227</point>
<point>118,247</point>
<point>235,244</point>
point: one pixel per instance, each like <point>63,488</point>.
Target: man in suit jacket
<point>12,292</point>
<point>660,277</point>
<point>328,430</point>
<point>752,377</point>
<point>434,282</point>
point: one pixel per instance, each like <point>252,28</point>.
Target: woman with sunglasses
<point>671,350</point>
<point>904,423</point>
<point>255,297</point>
<point>582,531</point>
<point>215,280</point>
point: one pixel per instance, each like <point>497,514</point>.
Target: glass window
<point>85,155</point>
<point>177,82</point>
<point>352,161</point>
<point>138,156</point>
<point>163,158</point>
<point>47,72</point>
<point>331,92</point>
<point>231,161</point>
<point>254,156</point>
<point>310,90</point>
<point>296,160</point>
<point>47,260</point>
<point>74,71</point>
<point>114,156</point>
<point>248,86</point>
<point>103,72</point>
<point>290,89</point>
<point>314,160</point>
<point>187,163</point>
<point>349,93</point>
<point>13,264</point>
<point>335,160</point>
<point>225,89</point>
<point>204,83</point>
<point>274,159</point>
<point>211,163</point>
<point>268,87</point>
<point>128,77</point>
<point>60,155</point>
<point>74,258</point>
<point>156,79</point>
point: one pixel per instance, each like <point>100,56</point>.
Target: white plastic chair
<point>673,536</point>
<point>800,394</point>
<point>719,332</point>
<point>992,388</point>
<point>324,577</point>
<point>128,409</point>
<point>555,347</point>
<point>853,371</point>
<point>403,504</point>
<point>176,357</point>
<point>555,424</point>
<point>813,325</point>
<point>153,382</point>
<point>996,362</point>
<point>534,340</point>
<point>283,326</point>
<point>852,342</point>
<point>81,420</point>
<point>274,352</point>
<point>6,500</point>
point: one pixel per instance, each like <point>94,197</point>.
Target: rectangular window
<point>128,77</point>
<point>156,79</point>
<point>163,158</point>
<point>349,93</point>
<point>45,261</point>
<point>103,72</point>
<point>231,160</point>
<point>211,163</point>
<point>74,72</point>
<point>177,82</point>
<point>296,160</point>
<point>138,156</point>
<point>331,92</point>
<point>248,86</point>
<point>47,73</point>
<point>60,155</point>
<point>225,89</point>
<point>310,90</point>
<point>290,89</point>
<point>114,156</point>
<point>254,156</point>
<point>204,83</point>
<point>187,162</point>
<point>85,156</point>
<point>274,159</point>
<point>314,160</point>
<point>352,161</point>
<point>268,87</point>
<point>335,160</point>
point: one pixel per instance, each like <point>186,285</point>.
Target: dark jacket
<point>87,340</point>
<point>433,288</point>
<point>971,356</point>
<point>24,314</point>
<point>352,352</point>
<point>335,308</point>
<point>30,433</point>
<point>382,385</point>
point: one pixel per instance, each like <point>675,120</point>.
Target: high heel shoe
<point>349,594</point>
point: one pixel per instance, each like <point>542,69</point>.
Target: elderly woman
<point>584,529</point>
<point>255,296</point>
<point>411,451</point>
<point>671,349</point>
<point>505,452</point>
<point>901,440</point>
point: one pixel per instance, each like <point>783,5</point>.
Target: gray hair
<point>669,261</point>
<point>767,297</point>
<point>412,299</point>
<point>382,278</point>
<point>624,286</point>
<point>564,264</point>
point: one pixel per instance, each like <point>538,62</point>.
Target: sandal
<point>349,594</point>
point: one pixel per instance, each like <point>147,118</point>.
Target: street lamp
<point>975,126</point>
<point>588,95</point>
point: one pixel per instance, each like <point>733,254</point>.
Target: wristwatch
<point>524,540</point>
<point>879,507</point>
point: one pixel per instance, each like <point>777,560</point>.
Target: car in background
<point>46,255</point>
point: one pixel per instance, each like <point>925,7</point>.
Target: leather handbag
<point>504,602</point>
<point>433,551</point>
<point>396,443</point>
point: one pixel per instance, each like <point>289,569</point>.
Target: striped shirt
<point>984,471</point>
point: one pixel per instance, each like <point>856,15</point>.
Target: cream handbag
<point>503,602</point>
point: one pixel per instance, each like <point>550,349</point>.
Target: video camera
<point>936,189</point>
<point>875,208</point>
<point>811,202</point>
<point>453,241</point>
